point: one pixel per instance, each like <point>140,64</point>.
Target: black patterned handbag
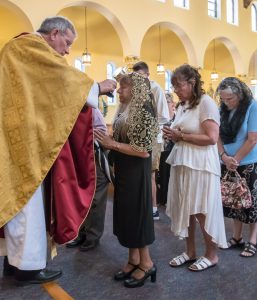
<point>235,192</point>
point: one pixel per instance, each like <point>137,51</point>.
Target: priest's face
<point>61,42</point>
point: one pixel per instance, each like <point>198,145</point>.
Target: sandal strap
<point>180,259</point>
<point>202,263</point>
<point>250,248</point>
<point>142,270</point>
<point>252,244</point>
<point>232,241</point>
<point>133,265</point>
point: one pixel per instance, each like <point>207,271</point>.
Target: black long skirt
<point>132,208</point>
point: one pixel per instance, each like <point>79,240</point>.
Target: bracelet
<point>182,135</point>
<point>117,146</point>
<point>221,154</point>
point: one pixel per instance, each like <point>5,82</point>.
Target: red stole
<point>70,184</point>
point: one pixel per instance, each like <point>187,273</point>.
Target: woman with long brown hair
<point>194,186</point>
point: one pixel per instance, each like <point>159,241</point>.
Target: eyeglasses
<point>66,39</point>
<point>228,98</point>
<point>180,85</point>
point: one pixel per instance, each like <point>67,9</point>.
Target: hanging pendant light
<point>160,67</point>
<point>214,74</point>
<point>253,81</point>
<point>86,56</point>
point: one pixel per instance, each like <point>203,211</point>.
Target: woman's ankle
<point>213,257</point>
<point>146,265</point>
<point>191,253</point>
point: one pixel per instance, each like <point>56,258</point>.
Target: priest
<point>46,145</point>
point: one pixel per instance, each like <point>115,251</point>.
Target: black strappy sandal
<point>121,275</point>
<point>133,282</point>
<point>249,248</point>
<point>234,243</point>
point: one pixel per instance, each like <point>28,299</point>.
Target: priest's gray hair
<point>57,22</point>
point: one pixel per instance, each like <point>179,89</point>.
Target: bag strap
<point>226,175</point>
<point>229,173</point>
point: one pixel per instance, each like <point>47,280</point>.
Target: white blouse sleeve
<point>209,110</point>
<point>92,98</point>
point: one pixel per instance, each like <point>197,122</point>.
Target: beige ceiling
<point>101,36</point>
<point>172,49</point>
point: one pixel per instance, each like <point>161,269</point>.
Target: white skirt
<point>194,192</point>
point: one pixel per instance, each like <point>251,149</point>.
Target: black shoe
<point>36,277</point>
<point>88,245</point>
<point>75,243</point>
<point>8,270</point>
<point>133,282</point>
<point>121,275</point>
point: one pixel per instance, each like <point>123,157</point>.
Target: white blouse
<point>203,158</point>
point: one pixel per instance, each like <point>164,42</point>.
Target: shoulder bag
<point>235,192</point>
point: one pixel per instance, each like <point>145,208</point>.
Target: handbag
<point>235,192</point>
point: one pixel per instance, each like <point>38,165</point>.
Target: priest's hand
<point>107,86</point>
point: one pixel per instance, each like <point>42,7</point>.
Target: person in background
<point>92,229</point>
<point>42,107</point>
<point>164,168</point>
<point>194,187</point>
<point>238,151</point>
<point>134,132</point>
<point>163,117</point>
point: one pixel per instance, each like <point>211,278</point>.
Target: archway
<point>166,41</point>
<point>108,15</point>
<point>222,56</point>
<point>19,21</point>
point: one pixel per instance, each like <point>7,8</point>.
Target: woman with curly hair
<point>238,151</point>
<point>194,187</point>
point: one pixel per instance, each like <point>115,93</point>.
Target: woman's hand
<point>109,143</point>
<point>172,134</point>
<point>104,139</point>
<point>230,162</point>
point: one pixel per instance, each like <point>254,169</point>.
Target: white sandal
<point>180,260</point>
<point>201,264</point>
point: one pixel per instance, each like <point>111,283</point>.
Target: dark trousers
<point>93,227</point>
<point>163,179</point>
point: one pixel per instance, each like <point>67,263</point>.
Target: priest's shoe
<point>88,245</point>
<point>36,277</point>
<point>8,270</point>
<point>75,243</point>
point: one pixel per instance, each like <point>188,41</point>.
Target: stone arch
<point>252,66</point>
<point>233,51</point>
<point>116,23</point>
<point>19,20</point>
<point>183,37</point>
